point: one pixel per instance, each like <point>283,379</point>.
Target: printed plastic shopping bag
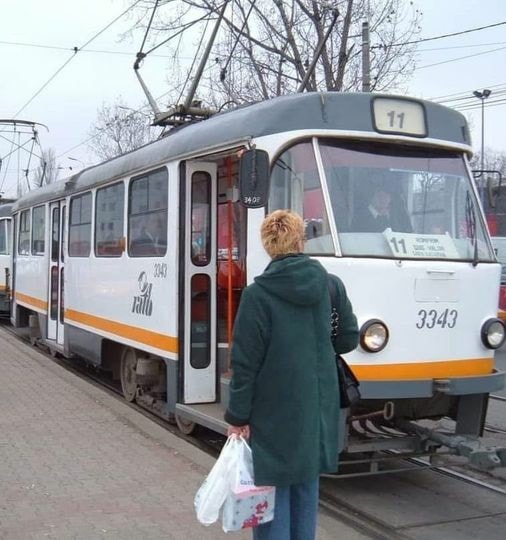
<point>246,505</point>
<point>215,488</point>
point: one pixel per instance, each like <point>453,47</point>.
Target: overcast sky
<point>68,104</point>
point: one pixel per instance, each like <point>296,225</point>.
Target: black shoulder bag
<point>348,383</point>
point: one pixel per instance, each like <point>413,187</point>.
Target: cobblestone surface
<point>76,463</point>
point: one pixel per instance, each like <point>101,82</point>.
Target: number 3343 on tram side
<point>137,264</point>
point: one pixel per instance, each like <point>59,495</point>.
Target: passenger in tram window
<point>284,392</point>
<point>381,214</point>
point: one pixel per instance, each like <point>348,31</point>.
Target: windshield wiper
<point>471,227</point>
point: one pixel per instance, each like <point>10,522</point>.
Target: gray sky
<point>69,104</point>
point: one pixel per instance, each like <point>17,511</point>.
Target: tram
<point>137,264</point>
<point>5,258</point>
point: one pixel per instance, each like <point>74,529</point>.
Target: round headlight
<point>493,333</point>
<point>374,335</point>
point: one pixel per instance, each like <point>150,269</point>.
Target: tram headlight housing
<point>374,335</point>
<point>493,333</point>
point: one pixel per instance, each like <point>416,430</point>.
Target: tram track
<point>331,503</point>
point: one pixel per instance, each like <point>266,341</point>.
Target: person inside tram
<point>381,214</point>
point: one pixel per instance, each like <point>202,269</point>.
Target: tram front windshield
<point>386,201</point>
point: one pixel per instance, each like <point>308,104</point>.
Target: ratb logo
<point>142,303</point>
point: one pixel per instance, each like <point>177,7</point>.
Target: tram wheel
<point>128,376</point>
<point>185,426</point>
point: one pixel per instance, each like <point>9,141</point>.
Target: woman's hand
<point>239,431</point>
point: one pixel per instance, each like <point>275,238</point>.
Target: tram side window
<point>38,230</point>
<point>295,184</point>
<point>3,237</point>
<point>24,233</point>
<point>80,226</point>
<point>110,202</point>
<point>201,218</point>
<point>147,215</point>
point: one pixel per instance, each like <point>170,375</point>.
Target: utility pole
<point>366,62</point>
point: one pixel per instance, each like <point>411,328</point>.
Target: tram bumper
<point>426,388</point>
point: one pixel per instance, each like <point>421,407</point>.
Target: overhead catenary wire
<point>470,97</point>
<point>96,51</point>
<point>467,91</point>
<point>460,58</point>
<point>75,51</point>
<point>442,36</point>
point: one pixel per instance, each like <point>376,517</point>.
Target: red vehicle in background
<point>492,190</point>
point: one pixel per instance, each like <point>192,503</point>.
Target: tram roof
<point>311,111</point>
<point>5,210</point>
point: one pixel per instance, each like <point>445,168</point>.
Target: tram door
<point>56,272</point>
<point>200,369</point>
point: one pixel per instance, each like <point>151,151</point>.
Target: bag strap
<point>334,311</point>
<point>334,314</point>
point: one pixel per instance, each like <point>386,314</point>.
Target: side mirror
<point>254,178</point>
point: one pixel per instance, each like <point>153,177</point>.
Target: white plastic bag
<point>246,505</point>
<point>212,493</point>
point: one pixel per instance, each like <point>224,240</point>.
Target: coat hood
<point>296,279</point>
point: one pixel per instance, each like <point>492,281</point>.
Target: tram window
<point>55,234</point>
<point>295,184</point>
<point>8,223</point>
<point>3,237</point>
<point>402,202</point>
<point>201,218</point>
<point>200,321</point>
<point>24,233</point>
<point>80,226</point>
<point>147,215</point>
<point>38,230</point>
<point>110,202</point>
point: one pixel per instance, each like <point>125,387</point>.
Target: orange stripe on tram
<point>148,337</point>
<point>425,370</point>
<point>32,301</point>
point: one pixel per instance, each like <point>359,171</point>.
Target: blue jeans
<point>295,513</point>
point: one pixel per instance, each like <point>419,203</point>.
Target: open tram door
<point>198,371</point>
<point>55,326</point>
<point>213,275</point>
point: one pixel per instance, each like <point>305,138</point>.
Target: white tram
<point>137,264</point>
<point>5,258</point>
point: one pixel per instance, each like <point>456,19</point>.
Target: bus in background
<point>492,189</point>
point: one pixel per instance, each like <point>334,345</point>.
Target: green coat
<point>284,382</point>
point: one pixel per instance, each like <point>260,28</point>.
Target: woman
<point>284,386</point>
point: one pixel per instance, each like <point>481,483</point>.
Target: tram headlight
<point>374,335</point>
<point>493,333</point>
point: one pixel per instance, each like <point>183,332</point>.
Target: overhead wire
<point>458,46</point>
<point>75,51</point>
<point>98,51</point>
<point>460,58</point>
<point>465,91</point>
<point>424,40</point>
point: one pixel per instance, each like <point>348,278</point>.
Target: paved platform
<point>77,463</point>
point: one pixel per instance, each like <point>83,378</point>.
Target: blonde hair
<point>282,233</point>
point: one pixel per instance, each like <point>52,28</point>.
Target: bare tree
<point>493,161</point>
<point>119,129</point>
<point>47,170</point>
<point>267,45</point>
